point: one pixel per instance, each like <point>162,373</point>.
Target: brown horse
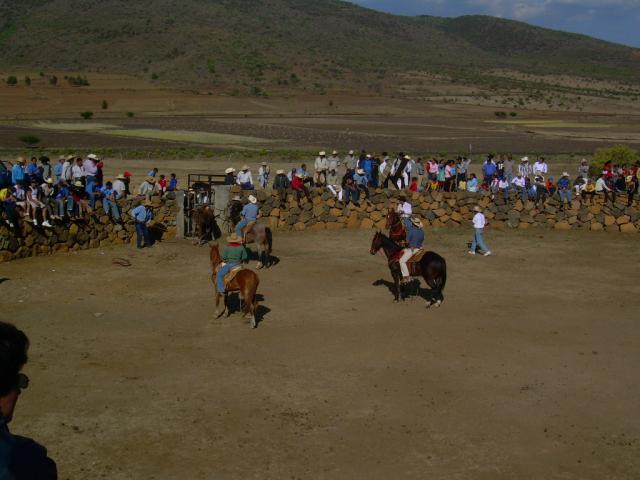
<point>245,283</point>
<point>205,227</point>
<point>397,230</point>
<point>432,267</point>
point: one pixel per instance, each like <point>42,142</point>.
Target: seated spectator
<point>80,201</point>
<point>299,188</point>
<point>8,207</point>
<point>109,199</point>
<point>48,191</point>
<point>333,184</point>
<point>361,181</point>
<point>541,191</point>
<point>162,185</point>
<point>564,190</point>
<point>147,188</point>
<point>589,191</point>
<point>173,183</point>
<point>230,176</point>
<point>64,200</point>
<point>520,185</point>
<point>120,187</point>
<point>413,187</point>
<point>20,457</point>
<point>34,205</point>
<point>504,187</point>
<point>472,183</point>
<point>350,191</point>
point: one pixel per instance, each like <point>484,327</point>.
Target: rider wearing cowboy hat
<point>415,240</point>
<point>249,214</point>
<point>233,254</point>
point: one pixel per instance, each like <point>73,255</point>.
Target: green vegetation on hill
<point>253,44</point>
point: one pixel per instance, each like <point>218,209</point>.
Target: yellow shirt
<point>4,194</point>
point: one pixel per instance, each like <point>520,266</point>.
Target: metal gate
<point>205,190</point>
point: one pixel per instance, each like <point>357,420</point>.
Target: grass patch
<point>550,124</point>
<point>73,127</point>
<point>207,138</point>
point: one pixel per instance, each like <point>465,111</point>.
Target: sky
<point>614,20</point>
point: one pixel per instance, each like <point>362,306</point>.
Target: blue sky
<point>613,20</point>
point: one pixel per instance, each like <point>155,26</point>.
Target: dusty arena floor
<point>529,370</point>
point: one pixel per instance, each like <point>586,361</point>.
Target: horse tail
<point>436,276</point>
<point>269,237</point>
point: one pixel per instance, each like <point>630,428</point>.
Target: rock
<point>609,220</point>
<point>596,227</point>
<point>623,219</point>
<point>562,226</point>
<point>366,224</point>
<point>628,228</point>
<point>299,226</point>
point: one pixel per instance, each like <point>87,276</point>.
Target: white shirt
<point>503,184</point>
<point>519,182</point>
<point>77,171</point>
<point>382,166</point>
<point>89,168</point>
<point>405,209</point>
<point>601,185</point>
<point>322,163</point>
<point>118,186</point>
<point>478,220</point>
<point>540,167</point>
<point>244,177</point>
<point>66,170</point>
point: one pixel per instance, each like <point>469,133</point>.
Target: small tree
<point>617,155</point>
<point>105,105</point>
<point>53,80</point>
<point>130,114</point>
<point>86,115</point>
<point>12,80</point>
<point>154,76</point>
<point>29,140</point>
<point>27,81</point>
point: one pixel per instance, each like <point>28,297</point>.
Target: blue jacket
<point>141,215</point>
<point>489,168</point>
<point>17,173</point>
<point>415,237</point>
<point>250,211</point>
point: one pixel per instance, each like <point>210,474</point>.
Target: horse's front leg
<point>218,312</point>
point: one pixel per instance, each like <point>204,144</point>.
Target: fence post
<point>180,214</point>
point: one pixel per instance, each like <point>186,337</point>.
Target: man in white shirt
<point>67,174</point>
<point>77,171</point>
<point>119,187</point>
<point>540,167</point>
<point>321,166</point>
<point>334,162</point>
<point>479,222</point>
<point>244,178</point>
<point>520,185</point>
<point>405,210</point>
<point>351,161</point>
<point>524,168</point>
<point>603,188</point>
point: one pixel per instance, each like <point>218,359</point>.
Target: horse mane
<point>389,244</point>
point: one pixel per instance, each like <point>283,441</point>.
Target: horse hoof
<point>438,303</point>
<point>254,324</point>
<point>219,313</point>
<point>259,266</point>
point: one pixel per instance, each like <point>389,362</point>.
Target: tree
<point>130,114</point>
<point>105,105</point>
<point>29,140</point>
<point>12,80</point>
<point>53,80</point>
<point>617,155</point>
<point>154,76</point>
<point>86,115</point>
<point>27,81</point>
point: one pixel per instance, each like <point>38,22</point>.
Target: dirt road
<point>529,370</point>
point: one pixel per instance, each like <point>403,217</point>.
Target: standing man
<point>263,174</point>
<point>583,169</point>
<point>57,170</point>
<point>321,167</point>
<point>249,214</point>
<point>17,171</point>
<point>524,168</point>
<point>244,179</point>
<point>334,161</point>
<point>143,215</point>
<point>90,171</point>
<point>351,162</point>
<point>415,240</point>
<point>20,457</point>
<point>281,184</point>
<point>540,167</point>
<point>479,222</point>
<point>405,210</point>
<point>564,190</point>
<point>508,169</point>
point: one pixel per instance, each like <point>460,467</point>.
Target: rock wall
<point>447,210</point>
<point>99,230</point>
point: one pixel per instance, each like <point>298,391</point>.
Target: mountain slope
<point>262,42</point>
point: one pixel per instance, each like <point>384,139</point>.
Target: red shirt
<point>297,183</point>
<point>413,187</point>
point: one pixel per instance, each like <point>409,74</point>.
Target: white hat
<point>49,181</point>
<point>264,163</point>
<point>279,172</point>
<point>322,153</point>
<point>477,208</point>
<point>245,167</point>
<point>368,155</point>
<point>417,222</point>
<point>351,152</point>
<point>524,159</point>
<point>407,157</point>
<point>335,152</point>
<point>360,171</point>
<point>121,177</point>
<point>92,156</point>
<point>253,199</point>
<point>230,170</point>
<point>237,198</point>
<point>565,174</point>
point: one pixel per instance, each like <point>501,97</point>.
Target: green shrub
<point>105,105</point>
<point>12,80</point>
<point>27,81</point>
<point>500,114</point>
<point>154,76</point>
<point>78,81</point>
<point>53,80</point>
<point>30,140</point>
<point>130,114</point>
<point>617,155</point>
<point>86,115</point>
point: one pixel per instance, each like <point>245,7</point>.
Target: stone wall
<point>447,210</point>
<point>98,230</point>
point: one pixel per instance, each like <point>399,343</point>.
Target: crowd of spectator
<point>44,194</point>
<point>351,178</point>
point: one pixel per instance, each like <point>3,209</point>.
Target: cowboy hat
<point>62,157</point>
<point>253,199</point>
<point>565,174</point>
<point>245,167</point>
<point>237,198</point>
<point>92,156</point>
<point>335,152</point>
<point>368,155</point>
<point>49,181</point>
<point>524,159</point>
<point>121,177</point>
<point>234,238</point>
<point>417,222</point>
<point>279,172</point>
<point>360,171</point>
<point>229,170</point>
<point>322,153</point>
<point>78,183</point>
<point>407,157</point>
<point>264,164</point>
<point>147,203</point>
<point>351,152</point>
<point>477,208</point>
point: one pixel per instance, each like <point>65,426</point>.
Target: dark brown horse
<point>432,267</point>
<point>245,283</point>
<point>205,227</point>
<point>397,231</point>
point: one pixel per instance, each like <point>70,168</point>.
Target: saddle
<point>413,264</point>
<point>228,278</point>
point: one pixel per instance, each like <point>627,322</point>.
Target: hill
<point>252,45</point>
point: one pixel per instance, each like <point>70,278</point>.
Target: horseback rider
<point>249,214</point>
<point>233,255</point>
<point>405,210</point>
<point>415,240</point>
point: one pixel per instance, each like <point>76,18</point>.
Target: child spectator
<point>162,185</point>
<point>173,183</point>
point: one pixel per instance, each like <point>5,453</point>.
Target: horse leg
<point>249,294</point>
<point>260,256</point>
<point>218,312</point>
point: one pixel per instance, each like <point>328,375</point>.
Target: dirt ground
<point>529,369</point>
